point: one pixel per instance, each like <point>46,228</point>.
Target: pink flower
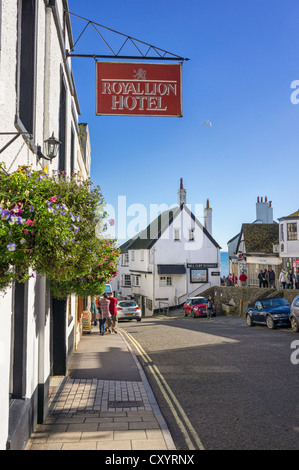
<point>53,199</point>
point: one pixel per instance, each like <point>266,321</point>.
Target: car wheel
<point>270,323</point>
<point>138,319</point>
<point>249,320</point>
<point>186,314</point>
<point>294,324</point>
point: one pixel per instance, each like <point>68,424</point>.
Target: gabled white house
<point>173,258</point>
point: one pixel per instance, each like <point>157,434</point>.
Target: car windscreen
<point>270,303</point>
<point>200,300</point>
<point>127,304</point>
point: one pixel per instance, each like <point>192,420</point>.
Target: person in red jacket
<point>113,312</point>
<point>243,279</point>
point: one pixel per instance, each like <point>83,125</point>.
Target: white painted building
<point>289,241</point>
<point>173,258</point>
<point>37,98</point>
<point>251,251</point>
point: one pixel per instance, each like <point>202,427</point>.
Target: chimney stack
<point>181,194</point>
<point>208,218</point>
<point>264,211</point>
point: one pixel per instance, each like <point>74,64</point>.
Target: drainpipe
<point>154,280</point>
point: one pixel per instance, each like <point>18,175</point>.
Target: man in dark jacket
<point>270,276</point>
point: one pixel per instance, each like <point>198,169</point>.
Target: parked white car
<point>128,310</point>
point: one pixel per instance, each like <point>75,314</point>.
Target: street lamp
<point>51,145</point>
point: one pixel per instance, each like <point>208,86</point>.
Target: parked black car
<point>271,312</point>
<point>294,316</point>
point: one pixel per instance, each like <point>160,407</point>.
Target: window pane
<point>292,231</point>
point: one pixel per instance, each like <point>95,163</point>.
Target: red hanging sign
<point>138,89</point>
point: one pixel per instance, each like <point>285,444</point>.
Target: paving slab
<point>104,403</point>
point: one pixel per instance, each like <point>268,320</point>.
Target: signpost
<point>86,322</point>
<point>138,89</point>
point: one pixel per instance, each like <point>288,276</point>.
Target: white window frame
<point>291,233</point>
<point>127,280</point>
<point>191,235</point>
<point>176,234</point>
<point>165,281</point>
<point>136,280</point>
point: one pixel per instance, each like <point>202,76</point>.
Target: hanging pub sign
<point>138,89</point>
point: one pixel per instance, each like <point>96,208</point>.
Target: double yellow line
<point>192,440</point>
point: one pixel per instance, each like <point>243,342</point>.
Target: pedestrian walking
<point>261,278</point>
<point>103,308</point>
<point>93,311</point>
<point>282,279</point>
<point>270,277</point>
<point>290,279</point>
<point>243,279</point>
<point>209,307</point>
<point>113,312</point>
<point>265,276</point>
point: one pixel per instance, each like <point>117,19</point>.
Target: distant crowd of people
<point>232,280</point>
<point>287,279</point>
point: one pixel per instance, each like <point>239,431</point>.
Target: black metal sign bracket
<point>161,54</point>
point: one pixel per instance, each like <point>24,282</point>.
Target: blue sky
<point>244,56</point>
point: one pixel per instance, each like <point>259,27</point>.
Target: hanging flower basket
<point>48,224</point>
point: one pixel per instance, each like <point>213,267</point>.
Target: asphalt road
<point>236,385</point>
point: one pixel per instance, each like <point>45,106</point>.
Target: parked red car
<point>197,307</point>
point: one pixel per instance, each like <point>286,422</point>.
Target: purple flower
<point>31,208</point>
<point>51,210</point>
<point>62,212</point>
<point>13,219</point>
<point>11,246</point>
<point>76,229</point>
<point>5,215</point>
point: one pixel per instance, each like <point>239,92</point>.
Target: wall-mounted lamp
<point>51,146</point>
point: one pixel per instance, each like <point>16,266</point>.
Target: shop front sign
<point>138,89</point>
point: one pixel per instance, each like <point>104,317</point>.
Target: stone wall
<point>235,301</point>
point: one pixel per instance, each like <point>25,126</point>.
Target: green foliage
<point>48,224</point>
